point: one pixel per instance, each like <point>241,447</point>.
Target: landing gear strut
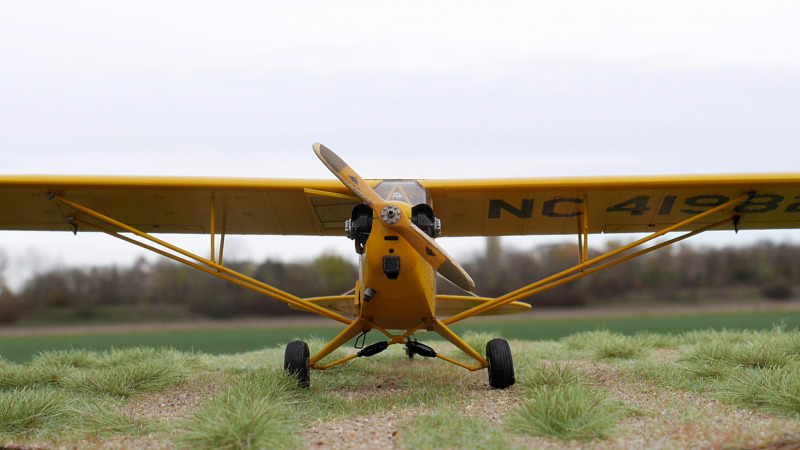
<point>501,365</point>
<point>296,362</point>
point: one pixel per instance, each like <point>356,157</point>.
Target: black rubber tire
<point>295,363</point>
<point>501,365</point>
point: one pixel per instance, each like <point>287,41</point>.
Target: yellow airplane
<point>393,225</point>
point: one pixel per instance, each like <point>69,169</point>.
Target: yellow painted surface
<point>177,205</point>
<point>612,204</point>
<point>450,305</point>
<point>399,304</point>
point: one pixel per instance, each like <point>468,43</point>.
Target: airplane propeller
<point>393,217</point>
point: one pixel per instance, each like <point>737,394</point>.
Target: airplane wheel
<point>295,362</point>
<point>501,365</point>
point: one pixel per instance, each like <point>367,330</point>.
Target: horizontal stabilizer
<point>342,304</point>
<point>446,305</point>
<point>450,305</point>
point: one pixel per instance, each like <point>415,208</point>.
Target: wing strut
<point>206,265</point>
<point>599,263</point>
<point>222,233</point>
<point>583,232</point>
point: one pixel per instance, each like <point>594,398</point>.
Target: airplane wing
<point>179,205</point>
<point>611,204</point>
<point>466,207</point>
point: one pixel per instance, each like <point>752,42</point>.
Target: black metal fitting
<point>422,216</point>
<point>373,349</point>
<point>391,266</point>
<point>420,349</point>
<point>359,226</point>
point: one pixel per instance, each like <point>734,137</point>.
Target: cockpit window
<point>410,192</point>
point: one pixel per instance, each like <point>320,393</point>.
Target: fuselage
<point>397,287</point>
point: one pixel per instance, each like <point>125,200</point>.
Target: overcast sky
<point>443,89</point>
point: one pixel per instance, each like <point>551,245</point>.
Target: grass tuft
<point>760,354</point>
<point>757,369</point>
<point>704,336</point>
<point>717,358</point>
<point>128,356</point>
<point>30,409</point>
<point>129,372</point>
<point>108,417</point>
<point>17,376</point>
<point>567,412</point>
<point>604,344</point>
<point>146,376</point>
<point>79,358</point>
<point>256,412</point>
<point>775,389</point>
<point>550,374</point>
<point>710,359</point>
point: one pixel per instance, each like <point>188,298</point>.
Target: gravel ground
<point>675,419</point>
<point>381,430</point>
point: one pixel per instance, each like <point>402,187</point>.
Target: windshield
<point>409,192</point>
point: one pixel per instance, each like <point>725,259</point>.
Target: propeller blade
<point>435,255</point>
<point>348,176</point>
<point>418,239</point>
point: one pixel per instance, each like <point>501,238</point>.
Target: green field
<point>237,340</point>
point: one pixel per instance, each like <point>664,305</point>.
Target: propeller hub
<point>390,214</point>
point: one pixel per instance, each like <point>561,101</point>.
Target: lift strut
<point>180,255</point>
<point>596,264</point>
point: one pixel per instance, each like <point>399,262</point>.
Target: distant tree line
<point>672,273</point>
<point>166,288</point>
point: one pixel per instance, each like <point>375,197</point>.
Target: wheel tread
<point>501,364</point>
<point>295,362</point>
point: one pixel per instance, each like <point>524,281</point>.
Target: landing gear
<point>295,362</point>
<point>501,366</point>
<point>413,347</point>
